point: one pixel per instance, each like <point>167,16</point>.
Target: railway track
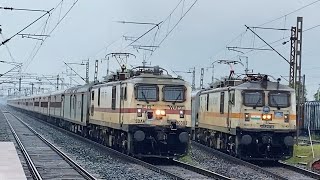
<point>44,160</point>
<point>307,140</point>
<point>293,171</point>
<point>278,170</point>
<point>176,170</point>
<point>239,161</point>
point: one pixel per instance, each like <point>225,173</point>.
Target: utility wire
<point>5,41</point>
<point>53,29</point>
<point>177,22</point>
<point>64,16</point>
<point>283,16</point>
<point>314,2</point>
<point>7,47</point>
<point>22,9</point>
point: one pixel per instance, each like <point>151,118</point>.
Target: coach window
<point>92,95</point>
<point>99,97</point>
<point>222,103</point>
<point>113,98</point>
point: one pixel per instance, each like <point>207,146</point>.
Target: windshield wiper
<point>174,102</point>
<point>275,102</point>
<point>257,102</point>
<point>144,96</point>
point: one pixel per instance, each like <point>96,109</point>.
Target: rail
<point>33,169</point>
<point>238,161</point>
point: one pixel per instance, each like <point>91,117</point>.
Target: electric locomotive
<point>143,111</point>
<point>252,118</point>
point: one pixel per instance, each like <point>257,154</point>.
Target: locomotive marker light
<point>247,117</point>
<point>286,118</point>
<point>139,112</point>
<point>181,112</point>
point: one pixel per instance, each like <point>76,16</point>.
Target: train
<point>252,118</point>
<point>144,111</point>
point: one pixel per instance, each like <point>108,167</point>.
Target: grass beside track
<point>304,150</point>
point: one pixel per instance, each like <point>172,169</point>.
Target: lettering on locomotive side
<point>174,107</point>
<point>146,106</point>
<point>140,120</point>
<point>267,126</point>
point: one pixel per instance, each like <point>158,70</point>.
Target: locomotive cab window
<point>279,99</point>
<point>253,98</point>
<point>174,93</point>
<point>147,93</point>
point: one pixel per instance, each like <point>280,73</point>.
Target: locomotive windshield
<point>173,93</point>
<point>253,98</point>
<point>147,93</point>
<point>279,99</point>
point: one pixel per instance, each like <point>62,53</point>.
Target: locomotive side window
<point>123,93</point>
<point>174,93</point>
<point>113,98</point>
<point>222,103</point>
<point>99,92</point>
<point>147,93</point>
<point>253,98</point>
<point>92,95</point>
<point>279,99</point>
<point>207,102</point>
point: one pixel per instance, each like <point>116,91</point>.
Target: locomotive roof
<point>271,86</point>
<point>254,85</point>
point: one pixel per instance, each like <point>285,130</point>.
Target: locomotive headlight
<point>139,112</point>
<point>163,112</point>
<point>264,117</point>
<point>158,112</point>
<point>286,118</point>
<point>181,112</point>
<point>269,116</point>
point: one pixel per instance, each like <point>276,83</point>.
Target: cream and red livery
<point>252,118</point>
<point>143,111</point>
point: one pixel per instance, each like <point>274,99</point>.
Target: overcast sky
<point>91,30</point>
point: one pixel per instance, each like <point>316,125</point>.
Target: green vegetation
<point>187,159</point>
<point>304,151</point>
<point>315,137</point>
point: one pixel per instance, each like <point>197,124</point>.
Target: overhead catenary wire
<point>312,3</point>
<point>22,9</point>
<point>51,31</point>
<point>5,41</point>
<point>175,25</point>
<point>273,20</point>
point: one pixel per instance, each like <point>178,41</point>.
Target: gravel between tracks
<point>209,161</point>
<point>100,163</point>
<point>4,129</point>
